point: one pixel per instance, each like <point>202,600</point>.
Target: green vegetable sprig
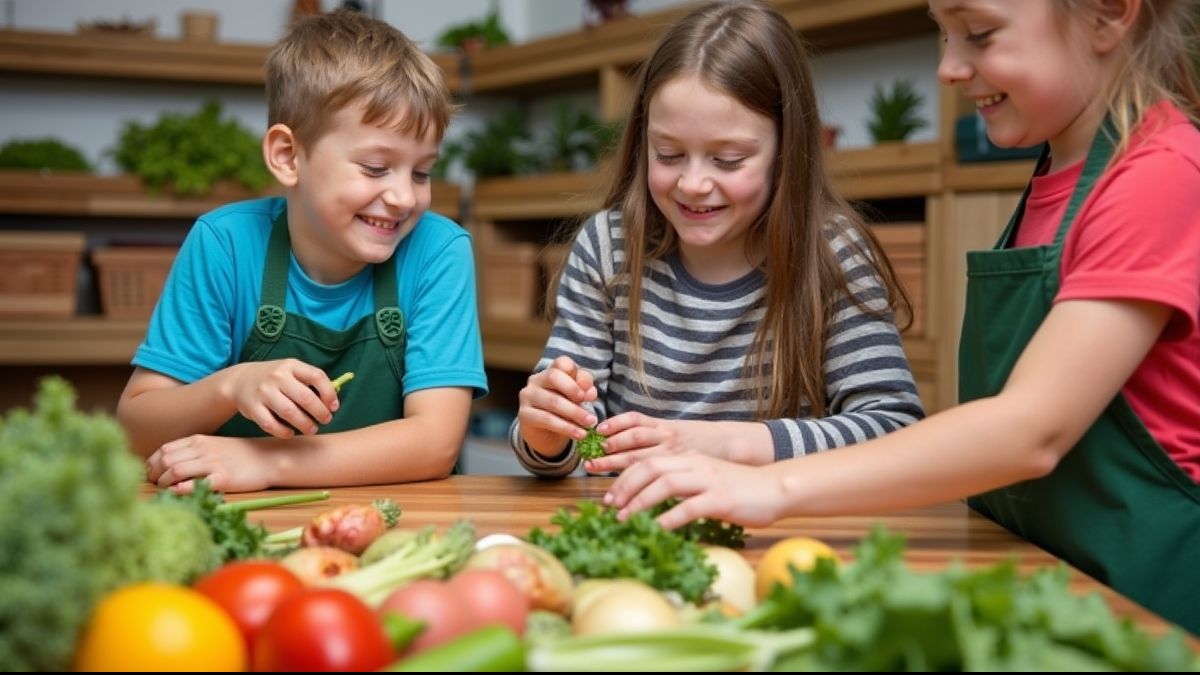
<point>341,380</point>
<point>425,554</point>
<point>594,544</point>
<point>235,537</point>
<point>876,614</point>
<point>706,530</point>
<point>591,446</point>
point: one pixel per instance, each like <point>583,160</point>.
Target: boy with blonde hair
<point>348,272</point>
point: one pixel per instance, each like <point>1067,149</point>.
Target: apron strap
<point>271,317</point>
<point>388,319</point>
<point>1097,160</point>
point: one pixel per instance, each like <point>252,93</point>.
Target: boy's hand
<point>274,394</point>
<point>230,464</point>
<point>552,408</point>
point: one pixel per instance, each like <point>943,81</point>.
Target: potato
<point>625,606</point>
<point>533,570</point>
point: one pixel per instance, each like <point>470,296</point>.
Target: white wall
<point>33,107</point>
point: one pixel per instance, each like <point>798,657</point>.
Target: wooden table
<point>936,535</point>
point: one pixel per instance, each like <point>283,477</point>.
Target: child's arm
<point>1077,362</point>
<point>155,409</point>
<point>423,445</point>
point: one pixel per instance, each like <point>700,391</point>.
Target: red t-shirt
<point>1137,237</point>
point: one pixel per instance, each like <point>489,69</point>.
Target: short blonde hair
<point>330,61</point>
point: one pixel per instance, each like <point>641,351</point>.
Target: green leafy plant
<point>503,147</point>
<point>895,112</point>
<point>189,153</point>
<point>487,33</point>
<point>572,141</point>
<point>42,154</point>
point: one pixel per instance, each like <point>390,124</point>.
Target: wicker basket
<point>39,273</point>
<point>131,278</point>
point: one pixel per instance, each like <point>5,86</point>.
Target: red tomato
<point>249,591</point>
<point>435,603</point>
<point>321,629</point>
<point>491,598</point>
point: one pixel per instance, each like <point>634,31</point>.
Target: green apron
<point>1116,506</point>
<point>372,348</point>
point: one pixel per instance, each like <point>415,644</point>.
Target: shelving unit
<point>94,340</point>
<point>142,58</point>
<point>964,205</point>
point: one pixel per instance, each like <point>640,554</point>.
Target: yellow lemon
<point>798,552</point>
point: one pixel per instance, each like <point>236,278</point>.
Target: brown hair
<point>750,52</point>
<point>330,61</point>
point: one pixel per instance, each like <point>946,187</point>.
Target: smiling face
<point>710,166</point>
<point>358,191</point>
<point>1029,69</point>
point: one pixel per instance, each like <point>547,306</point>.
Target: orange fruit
<point>799,552</point>
<point>160,627</point>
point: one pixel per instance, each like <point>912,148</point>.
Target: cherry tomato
<point>249,591</point>
<point>321,629</point>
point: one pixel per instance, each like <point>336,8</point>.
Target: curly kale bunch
<point>73,528</point>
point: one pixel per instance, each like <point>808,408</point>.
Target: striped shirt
<point>695,341</point>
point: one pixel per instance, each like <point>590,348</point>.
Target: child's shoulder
<point>252,215</point>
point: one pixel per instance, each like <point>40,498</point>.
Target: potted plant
<point>895,112</point>
<point>42,154</point>
<point>189,153</point>
<point>471,36</point>
<point>572,143</point>
<point>503,147</point>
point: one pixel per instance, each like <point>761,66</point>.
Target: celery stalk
<point>693,648</point>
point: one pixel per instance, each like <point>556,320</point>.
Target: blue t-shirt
<point>211,295</point>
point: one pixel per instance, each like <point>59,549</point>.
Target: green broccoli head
<point>591,446</point>
<point>73,527</point>
<point>176,544</point>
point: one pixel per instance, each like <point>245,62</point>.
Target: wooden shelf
<point>985,176</point>
<point>69,342</point>
<point>514,345</point>
<point>887,170</point>
<point>142,58</point>
<point>578,58</point>
<point>83,194</point>
<point>556,195</point>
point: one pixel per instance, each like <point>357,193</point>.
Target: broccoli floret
<point>590,447</point>
<point>176,544</point>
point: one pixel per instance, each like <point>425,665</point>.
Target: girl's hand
<point>633,437</point>
<point>552,408</point>
<point>274,394</point>
<point>707,487</point>
<point>229,464</point>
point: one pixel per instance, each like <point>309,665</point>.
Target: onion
<point>735,577</point>
<point>625,607</point>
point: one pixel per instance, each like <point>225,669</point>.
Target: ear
<point>280,151</point>
<point>1114,20</point>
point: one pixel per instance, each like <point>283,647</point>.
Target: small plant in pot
<point>42,154</point>
<point>895,112</point>
<point>190,153</point>
<point>472,36</point>
<point>503,147</point>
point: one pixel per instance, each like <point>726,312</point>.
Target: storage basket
<point>132,278</point>
<point>39,273</point>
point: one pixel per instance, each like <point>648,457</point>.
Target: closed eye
<point>666,159</point>
<point>979,38</point>
<point>373,170</point>
<point>729,164</point>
